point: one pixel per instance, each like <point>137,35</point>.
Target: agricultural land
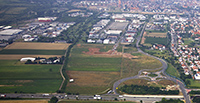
<point>19,50</point>
<point>17,77</point>
<point>24,101</point>
<point>40,46</point>
<point>95,68</point>
<point>154,37</point>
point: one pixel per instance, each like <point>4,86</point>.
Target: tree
<point>29,62</point>
<point>53,100</point>
<point>188,82</point>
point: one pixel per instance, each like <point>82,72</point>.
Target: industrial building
<point>9,34</point>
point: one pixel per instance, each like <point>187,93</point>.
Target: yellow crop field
<point>16,57</point>
<point>24,101</point>
<point>40,46</point>
<point>73,10</point>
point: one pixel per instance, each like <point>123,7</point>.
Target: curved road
<point>164,66</point>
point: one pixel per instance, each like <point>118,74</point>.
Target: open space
<point>157,34</point>
<point>153,40</point>
<point>39,46</point>
<point>194,83</point>
<point>171,70</point>
<point>95,70</point>
<point>131,67</point>
<point>188,41</point>
<point>21,78</point>
<point>89,82</point>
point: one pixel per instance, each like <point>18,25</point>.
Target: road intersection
<point>164,67</point>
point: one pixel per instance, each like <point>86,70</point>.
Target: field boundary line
<point>61,69</point>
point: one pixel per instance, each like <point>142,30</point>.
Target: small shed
<point>71,80</point>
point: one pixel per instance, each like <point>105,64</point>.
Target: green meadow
<point>18,77</point>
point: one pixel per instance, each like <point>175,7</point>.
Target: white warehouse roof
<point>10,32</point>
<point>26,59</point>
<point>113,31</point>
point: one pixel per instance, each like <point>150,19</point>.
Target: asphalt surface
<point>164,66</point>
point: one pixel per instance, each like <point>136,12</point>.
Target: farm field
<point>39,46</point>
<point>157,34</point>
<point>21,78</point>
<point>94,70</point>
<point>17,50</point>
<point>90,82</point>
<point>17,57</point>
<point>32,52</point>
<point>17,10</point>
<point>80,61</point>
<point>23,101</point>
<point>152,40</point>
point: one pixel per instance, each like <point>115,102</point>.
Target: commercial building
<point>9,34</point>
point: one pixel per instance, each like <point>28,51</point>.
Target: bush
<point>53,100</point>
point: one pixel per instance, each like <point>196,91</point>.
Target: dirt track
<point>143,38</point>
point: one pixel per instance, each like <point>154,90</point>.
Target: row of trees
<point>78,31</point>
<point>136,89</point>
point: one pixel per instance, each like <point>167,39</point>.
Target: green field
<point>194,83</point>
<point>103,70</point>
<point>152,40</point>
<point>127,48</point>
<point>33,52</point>
<point>172,71</point>
<point>17,77</point>
<point>101,101</point>
<point>94,64</point>
<point>78,61</point>
<point>14,11</point>
<point>86,89</point>
<point>188,41</point>
<point>131,67</point>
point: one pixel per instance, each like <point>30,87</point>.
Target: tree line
<point>137,89</point>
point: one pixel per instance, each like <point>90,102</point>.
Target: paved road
<point>164,66</point>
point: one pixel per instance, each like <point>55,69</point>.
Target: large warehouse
<point>9,34</point>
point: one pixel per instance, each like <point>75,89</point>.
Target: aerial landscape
<point>99,51</point>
